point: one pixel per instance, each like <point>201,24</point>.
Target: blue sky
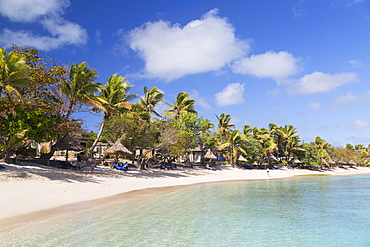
<point>299,62</point>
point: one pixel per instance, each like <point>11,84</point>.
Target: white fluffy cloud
<point>172,51</point>
<point>232,94</point>
<point>358,124</point>
<point>30,10</point>
<point>275,65</point>
<point>319,82</point>
<point>48,14</point>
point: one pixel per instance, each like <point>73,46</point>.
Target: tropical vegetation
<point>40,102</point>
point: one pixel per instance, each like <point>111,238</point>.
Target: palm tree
<point>205,134</point>
<point>224,127</point>
<point>247,130</point>
<point>322,148</point>
<point>80,86</point>
<point>77,89</point>
<point>290,139</point>
<point>234,143</point>
<point>114,97</point>
<point>151,98</point>
<point>286,138</point>
<point>183,103</point>
<point>264,137</point>
<point>12,73</point>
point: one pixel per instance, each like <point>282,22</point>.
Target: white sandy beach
<point>27,189</point>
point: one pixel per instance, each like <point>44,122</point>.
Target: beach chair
<point>122,168</point>
<point>66,165</point>
<point>248,167</point>
<point>162,166</point>
<point>209,168</point>
<point>239,167</point>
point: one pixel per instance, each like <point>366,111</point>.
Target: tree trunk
<point>141,164</point>
<point>97,138</point>
<point>141,161</point>
<point>47,157</point>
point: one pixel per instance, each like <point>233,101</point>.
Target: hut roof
<point>342,162</point>
<point>352,163</point>
<point>296,160</point>
<point>271,158</point>
<point>330,161</point>
<point>117,148</point>
<point>68,143</point>
<point>241,158</point>
<point>209,155</point>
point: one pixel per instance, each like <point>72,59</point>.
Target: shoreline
<point>30,192</point>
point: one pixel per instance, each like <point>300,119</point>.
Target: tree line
<point>39,101</point>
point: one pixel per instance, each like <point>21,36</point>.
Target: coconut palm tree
<point>322,148</point>
<point>80,86</point>
<point>114,97</point>
<point>12,73</point>
<point>224,127</point>
<point>247,130</point>
<point>77,89</point>
<point>234,143</point>
<point>286,139</point>
<point>289,139</point>
<point>263,136</point>
<point>183,103</point>
<point>151,99</point>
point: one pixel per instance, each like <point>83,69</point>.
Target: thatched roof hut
<point>241,158</point>
<point>210,155</point>
<point>295,160</point>
<point>271,158</point>
<point>117,148</point>
<point>331,162</point>
<point>352,163</point>
<point>342,162</point>
<point>68,143</point>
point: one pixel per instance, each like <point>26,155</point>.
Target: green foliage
<point>267,142</point>
<point>13,69</point>
<point>310,155</point>
<point>188,126</point>
<point>234,144</point>
<point>349,146</point>
<point>183,103</point>
<point>133,132</point>
<point>79,87</point>
<point>224,128</point>
<point>114,101</point>
<point>34,109</point>
<point>253,148</point>
<point>38,101</point>
<point>151,99</point>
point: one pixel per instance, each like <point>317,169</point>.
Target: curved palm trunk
<point>98,137</point>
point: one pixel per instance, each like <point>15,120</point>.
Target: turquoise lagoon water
<point>311,211</point>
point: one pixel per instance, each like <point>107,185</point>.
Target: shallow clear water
<point>317,211</point>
